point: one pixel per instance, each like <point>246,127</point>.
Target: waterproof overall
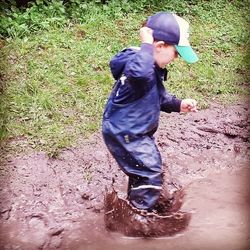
<point>131,118</point>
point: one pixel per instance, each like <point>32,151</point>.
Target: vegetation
<point>54,62</point>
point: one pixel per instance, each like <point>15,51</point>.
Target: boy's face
<point>164,53</point>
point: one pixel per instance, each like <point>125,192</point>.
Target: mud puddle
<point>58,203</point>
<point>220,219</point>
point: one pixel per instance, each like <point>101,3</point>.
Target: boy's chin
<point>162,66</point>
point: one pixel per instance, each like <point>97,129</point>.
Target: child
<point>132,112</point>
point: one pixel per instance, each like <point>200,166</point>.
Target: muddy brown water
<point>58,203</point>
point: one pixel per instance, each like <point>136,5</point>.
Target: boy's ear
<point>159,44</point>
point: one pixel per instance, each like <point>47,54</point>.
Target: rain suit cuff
<point>176,104</point>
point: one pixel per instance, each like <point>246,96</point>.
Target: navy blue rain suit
<point>131,118</point>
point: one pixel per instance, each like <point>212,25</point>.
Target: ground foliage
<point>54,72</point>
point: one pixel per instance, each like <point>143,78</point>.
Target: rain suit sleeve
<point>140,69</point>
<point>169,103</point>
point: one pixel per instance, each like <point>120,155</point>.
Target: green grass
<point>54,82</point>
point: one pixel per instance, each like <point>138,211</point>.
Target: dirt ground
<point>57,203</point>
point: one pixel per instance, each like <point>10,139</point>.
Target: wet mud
<point>58,203</point>
<point>120,216</point>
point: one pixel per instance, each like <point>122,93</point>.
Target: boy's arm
<point>173,104</point>
<point>141,67</point>
<point>170,103</point>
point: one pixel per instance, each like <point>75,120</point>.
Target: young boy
<point>132,112</point>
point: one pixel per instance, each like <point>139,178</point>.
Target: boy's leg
<point>140,159</point>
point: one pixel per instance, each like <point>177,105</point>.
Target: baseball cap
<point>172,29</point>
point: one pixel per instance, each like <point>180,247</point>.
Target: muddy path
<point>58,203</point>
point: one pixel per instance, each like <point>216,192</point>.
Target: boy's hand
<point>146,35</point>
<point>189,105</point>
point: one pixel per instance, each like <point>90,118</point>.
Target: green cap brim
<point>187,53</point>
